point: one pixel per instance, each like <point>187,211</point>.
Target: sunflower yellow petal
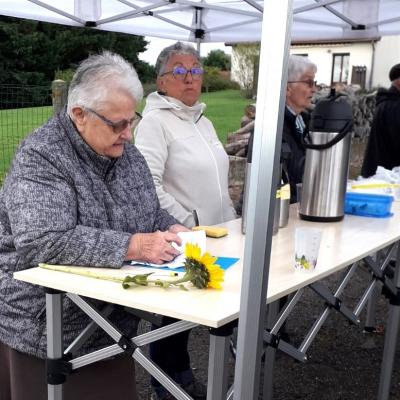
<point>207,259</point>
<point>216,276</point>
<point>193,251</point>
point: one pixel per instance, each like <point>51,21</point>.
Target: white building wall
<point>322,56</point>
<point>387,54</point>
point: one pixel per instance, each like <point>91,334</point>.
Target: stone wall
<point>363,108</point>
<point>237,168</point>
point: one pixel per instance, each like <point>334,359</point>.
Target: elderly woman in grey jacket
<point>78,193</point>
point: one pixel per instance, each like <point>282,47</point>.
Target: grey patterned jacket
<point>62,203</point>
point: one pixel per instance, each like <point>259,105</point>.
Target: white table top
<point>342,244</point>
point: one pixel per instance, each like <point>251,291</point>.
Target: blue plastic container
<point>368,205</point>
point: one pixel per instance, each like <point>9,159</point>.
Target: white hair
<point>177,48</point>
<point>298,66</point>
<point>97,75</point>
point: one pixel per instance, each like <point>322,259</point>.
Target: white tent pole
<point>137,11</point>
<point>371,73</point>
<point>341,16</point>
<point>257,6</point>
<point>198,33</point>
<point>234,25</point>
<point>309,7</point>
<point>58,11</point>
<point>275,43</point>
<point>207,5</point>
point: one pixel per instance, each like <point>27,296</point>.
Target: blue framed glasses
<point>180,73</point>
<point>118,126</point>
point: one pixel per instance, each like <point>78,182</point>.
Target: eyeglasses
<point>309,82</point>
<point>180,73</point>
<point>118,126</point>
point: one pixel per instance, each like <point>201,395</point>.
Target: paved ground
<point>343,362</point>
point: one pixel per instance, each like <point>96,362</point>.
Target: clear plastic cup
<point>306,248</point>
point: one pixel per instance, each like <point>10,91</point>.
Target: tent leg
<point>391,335</point>
<point>270,353</point>
<point>218,357</point>
<point>54,337</point>
<point>275,45</point>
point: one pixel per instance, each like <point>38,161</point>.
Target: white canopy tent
<point>236,21</point>
<point>214,20</point>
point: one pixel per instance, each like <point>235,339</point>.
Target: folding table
<point>343,243</point>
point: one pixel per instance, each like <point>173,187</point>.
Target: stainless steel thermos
<point>327,160</point>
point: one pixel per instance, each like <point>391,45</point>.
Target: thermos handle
<point>285,173</point>
<point>250,147</point>
<point>331,143</point>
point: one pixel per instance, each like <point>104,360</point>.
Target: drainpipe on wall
<point>372,65</point>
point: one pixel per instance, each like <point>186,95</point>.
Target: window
<point>358,75</point>
<point>340,68</point>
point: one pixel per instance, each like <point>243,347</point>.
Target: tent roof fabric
<point>215,20</point>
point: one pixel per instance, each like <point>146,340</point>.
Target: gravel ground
<point>343,361</point>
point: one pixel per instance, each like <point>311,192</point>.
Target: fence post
<point>58,95</point>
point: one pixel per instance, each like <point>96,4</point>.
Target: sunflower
<point>201,268</point>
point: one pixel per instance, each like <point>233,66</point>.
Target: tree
<point>24,53</point>
<point>32,51</point>
<point>218,59</point>
<point>246,60</point>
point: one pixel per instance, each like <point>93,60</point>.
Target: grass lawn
<point>15,124</point>
<point>224,109</point>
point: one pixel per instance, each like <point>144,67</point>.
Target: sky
<point>156,45</point>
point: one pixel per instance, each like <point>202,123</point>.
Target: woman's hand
<point>155,248</point>
<point>178,228</point>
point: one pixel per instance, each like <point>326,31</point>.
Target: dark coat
<point>383,146</point>
<point>293,151</point>
<point>62,203</point>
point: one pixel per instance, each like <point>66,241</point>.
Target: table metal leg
<point>54,338</point>
<point>217,386</point>
<point>160,375</point>
<point>87,332</point>
<point>370,320</point>
<point>370,324</point>
<point>391,335</point>
<point>270,352</point>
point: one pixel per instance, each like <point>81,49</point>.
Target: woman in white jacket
<point>188,162</point>
<point>190,170</point>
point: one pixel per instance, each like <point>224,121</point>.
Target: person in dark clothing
<point>301,87</point>
<point>293,151</point>
<point>383,146</point>
<point>300,90</point>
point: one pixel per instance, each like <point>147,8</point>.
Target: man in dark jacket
<point>299,92</point>
<point>384,140</point>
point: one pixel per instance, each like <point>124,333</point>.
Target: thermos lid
<point>331,114</point>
